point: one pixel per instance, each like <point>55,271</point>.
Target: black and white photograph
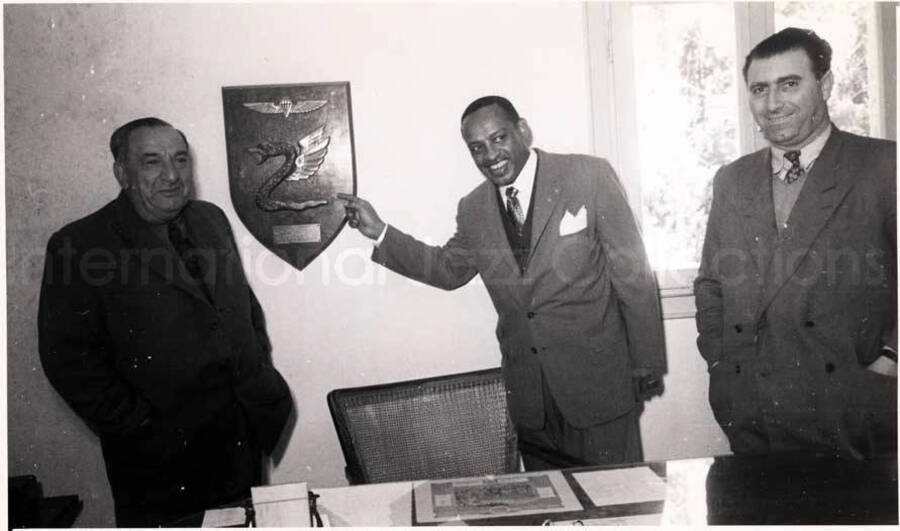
<point>294,264</point>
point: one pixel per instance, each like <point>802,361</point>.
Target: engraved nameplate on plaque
<point>305,233</point>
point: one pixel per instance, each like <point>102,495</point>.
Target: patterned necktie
<point>187,252</point>
<point>514,209</point>
<point>795,171</point>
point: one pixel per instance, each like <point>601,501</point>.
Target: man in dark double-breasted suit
<point>150,332</point>
<point>797,290</point>
<point>555,242</point>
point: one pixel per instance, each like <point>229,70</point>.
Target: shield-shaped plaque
<point>290,150</point>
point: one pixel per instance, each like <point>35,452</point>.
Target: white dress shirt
<point>808,155</point>
<point>524,183</point>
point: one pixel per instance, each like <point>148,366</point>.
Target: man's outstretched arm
<point>447,267</point>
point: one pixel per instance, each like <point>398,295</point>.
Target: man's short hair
<point>486,101</point>
<point>817,49</point>
<point>118,142</point>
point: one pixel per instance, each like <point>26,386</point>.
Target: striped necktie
<point>514,209</point>
<point>795,171</point>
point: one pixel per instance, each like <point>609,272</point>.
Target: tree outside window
<point>686,121</point>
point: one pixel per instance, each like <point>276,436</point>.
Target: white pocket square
<point>571,224</point>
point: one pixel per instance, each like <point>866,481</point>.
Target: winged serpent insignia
<point>286,106</point>
<point>301,161</point>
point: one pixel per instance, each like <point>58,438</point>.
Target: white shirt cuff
<point>381,236</point>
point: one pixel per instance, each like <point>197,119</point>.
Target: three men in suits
<point>797,289</point>
<point>150,332</point>
<point>558,249</point>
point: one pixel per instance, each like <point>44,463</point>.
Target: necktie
<point>795,171</point>
<point>186,251</point>
<point>514,209</point>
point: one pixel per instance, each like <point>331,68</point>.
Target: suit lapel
<point>153,252</point>
<point>209,240</point>
<point>757,211</point>
<point>544,200</point>
<point>495,240</point>
<point>825,187</point>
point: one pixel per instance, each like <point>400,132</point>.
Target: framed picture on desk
<point>493,496</point>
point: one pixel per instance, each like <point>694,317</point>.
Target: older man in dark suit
<point>558,249</point>
<point>150,332</point>
<point>797,290</point>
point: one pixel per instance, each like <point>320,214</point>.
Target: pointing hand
<point>361,216</point>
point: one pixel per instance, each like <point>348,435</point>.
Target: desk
<point>780,489</point>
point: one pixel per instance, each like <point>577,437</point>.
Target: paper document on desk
<point>226,517</point>
<point>623,485</point>
<point>281,505</point>
<point>493,496</point>
<point>370,505</point>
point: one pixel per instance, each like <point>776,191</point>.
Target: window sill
<point>676,293</point>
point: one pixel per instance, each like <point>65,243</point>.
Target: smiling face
<point>787,101</point>
<point>498,145</point>
<point>156,172</point>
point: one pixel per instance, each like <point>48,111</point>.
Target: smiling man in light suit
<point>797,289</point>
<point>558,249</point>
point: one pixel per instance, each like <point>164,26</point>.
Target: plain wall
<point>74,73</point>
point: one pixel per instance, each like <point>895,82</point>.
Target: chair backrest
<point>448,426</point>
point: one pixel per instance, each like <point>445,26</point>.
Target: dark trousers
<point>614,442</point>
<point>167,502</point>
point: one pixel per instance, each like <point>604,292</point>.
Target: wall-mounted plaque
<point>290,150</point>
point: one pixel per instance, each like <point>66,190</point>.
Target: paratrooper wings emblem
<point>286,106</point>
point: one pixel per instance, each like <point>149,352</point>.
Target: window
<point>687,119</point>
<point>670,106</point>
<point>851,29</point>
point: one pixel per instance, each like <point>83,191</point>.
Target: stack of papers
<point>281,505</point>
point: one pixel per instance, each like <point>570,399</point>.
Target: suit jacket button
<point>738,328</point>
<point>533,350</point>
<point>530,315</point>
<point>214,326</point>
